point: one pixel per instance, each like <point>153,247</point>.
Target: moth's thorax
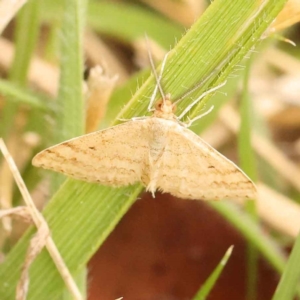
<point>165,109</point>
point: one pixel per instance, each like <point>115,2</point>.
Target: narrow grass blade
<point>26,33</point>
<point>246,152</point>
<point>252,232</point>
<point>19,95</point>
<point>70,117</point>
<point>214,276</point>
<point>27,28</point>
<point>289,282</point>
<point>248,164</point>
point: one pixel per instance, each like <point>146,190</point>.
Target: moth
<point>159,151</point>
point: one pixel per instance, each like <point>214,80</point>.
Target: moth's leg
<point>157,77</point>
<point>155,164</point>
<point>190,122</point>
<point>189,107</point>
<point>152,185</point>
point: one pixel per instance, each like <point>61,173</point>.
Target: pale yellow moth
<point>158,151</point>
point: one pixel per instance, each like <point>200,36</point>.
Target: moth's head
<point>165,105</point>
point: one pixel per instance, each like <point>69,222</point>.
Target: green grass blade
<point>19,95</point>
<point>214,276</point>
<point>208,51</point>
<point>77,236</point>
<point>27,29</point>
<point>246,152</point>
<point>81,280</point>
<point>252,232</point>
<point>26,33</point>
<point>289,282</point>
<point>70,117</point>
<point>82,215</point>
<point>248,164</point>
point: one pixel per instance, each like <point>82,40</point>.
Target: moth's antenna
<point>157,77</point>
<point>193,89</point>
<point>189,92</point>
